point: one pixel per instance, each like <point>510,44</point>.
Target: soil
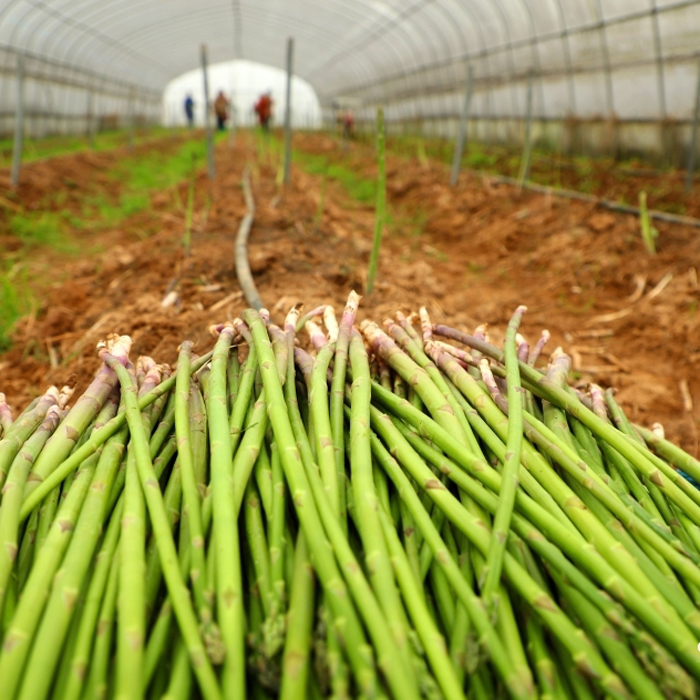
<point>470,255</point>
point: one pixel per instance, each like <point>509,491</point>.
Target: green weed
<point>358,188</point>
<point>48,146</point>
<point>15,301</point>
<point>649,233</point>
<point>159,170</point>
<point>477,160</point>
<point>41,229</point>
<point>134,202</point>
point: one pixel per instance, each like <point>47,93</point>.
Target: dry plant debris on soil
<point>471,255</point>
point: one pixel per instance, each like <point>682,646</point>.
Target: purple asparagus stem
<point>85,409</point>
<point>598,402</point>
<point>5,415</point>
<point>152,378</point>
<point>523,347</point>
<point>426,326</point>
<point>301,320</point>
<point>539,346</point>
<point>305,363</point>
<point>496,394</point>
<point>316,334</point>
<point>407,325</point>
<point>559,367</point>
<point>465,358</point>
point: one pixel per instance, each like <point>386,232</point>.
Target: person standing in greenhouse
<point>263,108</point>
<point>189,110</point>
<point>221,105</point>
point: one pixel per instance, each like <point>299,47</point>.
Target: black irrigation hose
<point>605,203</point>
<point>243,273</point>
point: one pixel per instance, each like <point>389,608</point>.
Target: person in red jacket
<point>263,108</point>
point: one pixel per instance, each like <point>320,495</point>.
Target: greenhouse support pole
<point>132,117</point>
<point>232,132</point>
<point>90,119</point>
<point>462,135</point>
<point>524,174</point>
<point>692,152</point>
<point>207,121</point>
<point>288,114</point>
<point>19,124</point>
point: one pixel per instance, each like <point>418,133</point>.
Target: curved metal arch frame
<point>510,52</point>
<point>420,99</point>
<point>418,37</point>
<point>64,21</point>
<point>367,72</point>
<point>566,50</point>
<point>374,34</point>
<point>166,39</point>
<point>78,60</point>
<point>425,16</point>
<point>535,49</point>
<point>60,38</point>
<point>360,62</point>
<point>461,37</point>
<point>482,54</point>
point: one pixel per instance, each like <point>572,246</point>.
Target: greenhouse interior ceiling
<point>349,349</point>
<point>622,60</point>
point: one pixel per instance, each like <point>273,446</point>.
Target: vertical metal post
<point>132,118</point>
<point>692,151</point>
<point>232,132</point>
<point>462,135</point>
<point>607,67</point>
<point>19,124</point>
<point>207,121</point>
<point>288,114</point>
<point>525,160</point>
<point>659,59</point>
<point>90,119</point>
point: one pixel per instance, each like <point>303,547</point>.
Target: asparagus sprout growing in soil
<point>334,508</point>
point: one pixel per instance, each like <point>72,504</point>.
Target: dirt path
<point>629,319</point>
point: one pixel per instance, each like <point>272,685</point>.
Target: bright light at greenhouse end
<point>242,82</point>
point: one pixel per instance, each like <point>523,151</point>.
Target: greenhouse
<point>349,349</point>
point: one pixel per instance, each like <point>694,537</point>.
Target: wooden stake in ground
<point>381,203</point>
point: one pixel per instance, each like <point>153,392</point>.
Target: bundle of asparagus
<point>384,514</point>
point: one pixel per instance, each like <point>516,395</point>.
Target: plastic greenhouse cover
<point>635,58</point>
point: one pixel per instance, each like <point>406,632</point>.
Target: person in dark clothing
<point>189,110</point>
<point>221,105</point>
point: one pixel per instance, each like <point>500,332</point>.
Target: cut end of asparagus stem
<point>116,345</point>
<point>658,430</point>
<point>426,325</point>
<point>215,329</point>
<point>331,323</point>
<point>65,395</point>
<point>290,321</point>
<point>539,346</point>
<point>598,401</point>
<point>316,334</point>
<point>523,347</point>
